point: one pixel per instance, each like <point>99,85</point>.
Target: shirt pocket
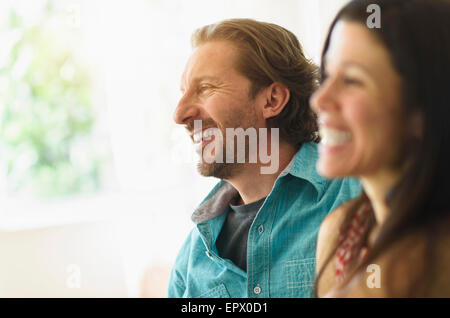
<point>300,277</point>
<point>216,292</point>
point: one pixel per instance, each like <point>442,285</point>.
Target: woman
<point>383,110</point>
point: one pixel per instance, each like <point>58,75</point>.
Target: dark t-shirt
<point>232,240</point>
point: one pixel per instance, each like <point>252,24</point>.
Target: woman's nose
<point>324,98</point>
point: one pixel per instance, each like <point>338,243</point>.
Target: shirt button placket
<point>257,289</point>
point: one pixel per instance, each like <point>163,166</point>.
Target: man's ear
<point>277,95</point>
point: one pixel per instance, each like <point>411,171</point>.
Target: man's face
<point>215,93</point>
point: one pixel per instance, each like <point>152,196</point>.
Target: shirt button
<point>260,229</point>
<point>257,290</point>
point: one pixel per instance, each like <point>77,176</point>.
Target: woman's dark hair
<point>416,33</point>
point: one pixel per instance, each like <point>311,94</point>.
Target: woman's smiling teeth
<point>333,137</point>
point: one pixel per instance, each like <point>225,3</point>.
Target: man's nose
<point>186,111</point>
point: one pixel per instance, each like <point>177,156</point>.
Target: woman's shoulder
<point>423,255</point>
<point>327,242</point>
<point>414,265</point>
<point>417,243</point>
<point>329,232</point>
<point>330,227</point>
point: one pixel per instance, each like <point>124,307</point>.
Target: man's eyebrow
<point>205,78</point>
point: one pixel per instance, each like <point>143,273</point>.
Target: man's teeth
<point>205,134</point>
<point>333,137</point>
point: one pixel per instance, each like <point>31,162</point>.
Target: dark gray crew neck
<point>246,209</point>
<point>232,240</point>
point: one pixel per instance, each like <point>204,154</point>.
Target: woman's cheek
<point>359,115</point>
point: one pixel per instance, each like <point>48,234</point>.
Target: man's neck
<point>252,185</point>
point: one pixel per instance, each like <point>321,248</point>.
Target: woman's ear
<point>277,95</point>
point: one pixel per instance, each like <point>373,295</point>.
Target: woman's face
<point>359,105</point>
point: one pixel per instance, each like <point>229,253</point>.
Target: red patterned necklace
<point>350,240</point>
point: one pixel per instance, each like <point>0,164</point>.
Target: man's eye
<point>204,88</point>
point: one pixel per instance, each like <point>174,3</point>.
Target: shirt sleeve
<point>177,281</point>
<point>176,286</point>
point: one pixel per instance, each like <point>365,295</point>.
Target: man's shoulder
<point>194,236</point>
<point>304,167</point>
<point>185,253</point>
<point>350,187</point>
<point>191,240</point>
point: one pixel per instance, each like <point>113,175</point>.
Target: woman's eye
<point>351,81</point>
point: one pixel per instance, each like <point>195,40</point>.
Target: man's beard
<point>218,170</point>
<point>224,169</point>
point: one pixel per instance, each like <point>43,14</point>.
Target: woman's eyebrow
<point>348,64</point>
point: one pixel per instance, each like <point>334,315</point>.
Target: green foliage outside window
<point>46,114</point>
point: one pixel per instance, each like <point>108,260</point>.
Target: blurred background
<point>87,93</point>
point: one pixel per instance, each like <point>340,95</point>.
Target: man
<point>256,231</point>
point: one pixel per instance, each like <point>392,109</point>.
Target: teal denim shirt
<point>281,246</point>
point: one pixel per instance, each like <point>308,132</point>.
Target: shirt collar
<point>303,165</point>
<point>215,203</point>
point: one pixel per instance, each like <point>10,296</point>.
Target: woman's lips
<point>334,137</point>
